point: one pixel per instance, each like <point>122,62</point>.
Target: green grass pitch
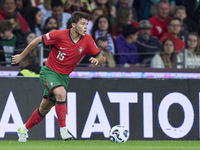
<point>99,145</point>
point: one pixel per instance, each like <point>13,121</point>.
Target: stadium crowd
<point>129,33</point>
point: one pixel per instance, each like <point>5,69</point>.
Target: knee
<point>61,96</point>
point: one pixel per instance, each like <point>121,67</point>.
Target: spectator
<point>71,5</point>
<point>34,19</point>
<point>147,45</point>
<point>192,49</point>
<point>127,51</point>
<point>28,66</point>
<point>12,41</point>
<point>103,27</point>
<point>13,20</point>
<point>108,8</point>
<point>154,3</point>
<point>193,15</point>
<point>23,6</point>
<point>46,11</point>
<point>124,16</point>
<point>124,3</point>
<point>50,22</point>
<point>30,36</point>
<point>9,8</point>
<point>57,12</point>
<point>160,21</point>
<point>94,15</point>
<point>167,57</point>
<point>174,27</point>
<point>180,12</point>
<point>102,44</point>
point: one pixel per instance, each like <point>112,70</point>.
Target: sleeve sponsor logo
<point>47,36</point>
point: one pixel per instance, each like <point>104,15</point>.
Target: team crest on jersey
<point>51,83</point>
<point>80,50</point>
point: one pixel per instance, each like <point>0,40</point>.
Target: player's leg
<point>36,117</point>
<point>61,111</point>
<point>55,89</point>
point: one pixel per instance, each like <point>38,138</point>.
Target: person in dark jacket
<point>12,41</point>
<point>127,51</point>
<point>147,45</point>
<point>28,66</point>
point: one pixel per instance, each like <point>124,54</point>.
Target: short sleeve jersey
<point>65,54</point>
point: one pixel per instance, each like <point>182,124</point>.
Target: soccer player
<point>68,47</point>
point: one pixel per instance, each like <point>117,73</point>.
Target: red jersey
<point>65,54</point>
<point>179,44</point>
<point>159,27</point>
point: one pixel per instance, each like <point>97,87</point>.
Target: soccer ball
<point>118,134</point>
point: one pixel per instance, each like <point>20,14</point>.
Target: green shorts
<point>51,80</point>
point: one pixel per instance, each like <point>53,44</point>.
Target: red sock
<point>61,111</point>
<point>35,118</point>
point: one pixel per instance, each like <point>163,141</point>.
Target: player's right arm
<point>17,58</point>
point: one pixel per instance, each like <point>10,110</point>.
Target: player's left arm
<point>99,59</point>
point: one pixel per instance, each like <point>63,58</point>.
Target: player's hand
<point>16,59</point>
<point>94,61</point>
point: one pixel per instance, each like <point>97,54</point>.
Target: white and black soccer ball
<point>118,134</point>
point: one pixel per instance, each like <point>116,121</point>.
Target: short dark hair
<point>5,25</point>
<point>56,3</point>
<point>102,38</point>
<point>128,30</point>
<point>77,15</point>
<point>69,23</point>
<point>173,18</point>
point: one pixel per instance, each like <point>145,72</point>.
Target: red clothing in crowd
<point>159,27</point>
<point>178,42</point>
<point>21,21</point>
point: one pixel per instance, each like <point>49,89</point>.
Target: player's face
<point>168,47</point>
<point>39,17</point>
<point>81,26</point>
<point>103,24</point>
